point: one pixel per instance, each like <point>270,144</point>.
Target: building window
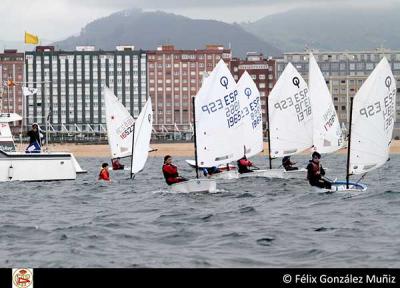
<point>369,66</point>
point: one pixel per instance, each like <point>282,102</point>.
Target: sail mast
<point>348,145</point>
<point>133,144</point>
<point>194,138</point>
<point>269,137</point>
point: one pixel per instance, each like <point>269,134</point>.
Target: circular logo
<point>388,82</point>
<point>296,82</point>
<point>247,92</point>
<point>22,278</point>
<point>224,82</point>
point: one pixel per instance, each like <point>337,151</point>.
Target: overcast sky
<point>58,19</point>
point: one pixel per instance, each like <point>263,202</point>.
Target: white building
<point>71,85</point>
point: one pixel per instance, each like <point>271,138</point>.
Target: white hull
<point>192,163</point>
<point>276,173</point>
<point>195,185</point>
<point>19,166</point>
<point>226,175</point>
<point>340,186</point>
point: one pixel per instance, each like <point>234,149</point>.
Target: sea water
<point>251,222</point>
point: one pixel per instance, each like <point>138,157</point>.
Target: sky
<point>54,20</point>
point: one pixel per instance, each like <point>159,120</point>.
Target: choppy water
<point>248,223</point>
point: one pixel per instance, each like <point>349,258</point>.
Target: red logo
<point>22,278</point>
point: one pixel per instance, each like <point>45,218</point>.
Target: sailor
<point>170,172</point>
<point>207,172</point>
<point>34,139</point>
<point>244,164</point>
<point>104,174</point>
<point>116,164</point>
<point>288,164</point>
<point>315,172</point>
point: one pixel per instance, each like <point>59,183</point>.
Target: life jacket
<point>315,168</point>
<point>243,165</point>
<point>170,173</point>
<point>104,174</point>
<point>116,165</point>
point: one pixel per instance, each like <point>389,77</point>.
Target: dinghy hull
<point>276,173</point>
<point>341,186</point>
<point>195,185</point>
<point>226,175</point>
<point>192,164</point>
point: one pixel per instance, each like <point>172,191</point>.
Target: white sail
<point>252,135</point>
<point>119,125</point>
<point>327,134</point>
<point>143,128</point>
<point>290,114</point>
<point>373,120</point>
<point>218,119</point>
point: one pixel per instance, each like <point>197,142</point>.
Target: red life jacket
<point>315,169</point>
<point>170,173</point>
<point>104,174</point>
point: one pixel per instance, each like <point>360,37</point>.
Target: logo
<point>22,278</point>
<point>247,92</point>
<point>224,82</point>
<point>388,82</point>
<point>296,82</point>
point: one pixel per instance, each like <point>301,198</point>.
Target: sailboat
<point>119,126</point>
<point>372,116</point>
<point>141,138</point>
<point>327,133</point>
<point>289,123</point>
<point>43,166</point>
<point>217,119</point>
<point>228,170</point>
<point>251,127</point>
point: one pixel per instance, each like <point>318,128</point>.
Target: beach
<point>174,149</point>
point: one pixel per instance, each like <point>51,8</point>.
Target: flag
<point>29,91</point>
<point>31,39</point>
<point>10,83</point>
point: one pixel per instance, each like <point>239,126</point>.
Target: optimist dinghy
<point>372,116</point>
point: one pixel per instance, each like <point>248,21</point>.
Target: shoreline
<point>173,149</point>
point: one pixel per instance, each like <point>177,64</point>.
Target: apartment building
<point>344,73</point>
<point>263,73</point>
<point>70,85</point>
<point>11,79</point>
<point>174,77</point>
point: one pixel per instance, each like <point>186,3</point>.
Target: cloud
<point>187,4</point>
<point>58,19</point>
